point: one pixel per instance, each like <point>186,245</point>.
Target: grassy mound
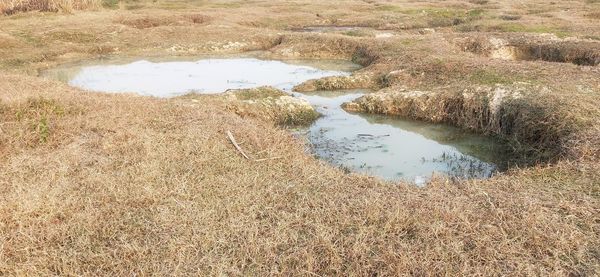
<point>266,103</point>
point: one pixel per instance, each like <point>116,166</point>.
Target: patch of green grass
<point>437,17</point>
<point>388,8</point>
<point>492,77</point>
<point>510,17</point>
<point>77,37</point>
<point>29,38</point>
<point>302,118</point>
<point>232,5</point>
<point>258,93</point>
<point>521,28</point>
<point>475,13</point>
<point>449,17</point>
<point>37,113</point>
<point>110,4</point>
<point>43,129</point>
<point>447,13</point>
<point>356,33</point>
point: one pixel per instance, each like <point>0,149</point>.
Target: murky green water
<point>383,146</point>
<point>395,148</point>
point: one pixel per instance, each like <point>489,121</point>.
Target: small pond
<point>395,148</point>
<point>383,146</point>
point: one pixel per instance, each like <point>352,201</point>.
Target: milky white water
<point>168,79</point>
<point>383,146</point>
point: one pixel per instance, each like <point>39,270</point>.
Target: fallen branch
<point>235,144</point>
<point>266,159</point>
<point>239,149</point>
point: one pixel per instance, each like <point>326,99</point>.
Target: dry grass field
<point>119,184</point>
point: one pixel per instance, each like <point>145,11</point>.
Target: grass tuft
<point>523,28</point>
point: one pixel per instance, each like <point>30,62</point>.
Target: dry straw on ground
<point>15,6</point>
<point>112,184</point>
<point>127,185</point>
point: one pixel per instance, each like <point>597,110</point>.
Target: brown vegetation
<point>266,103</point>
<point>136,185</point>
<point>111,184</point>
<point>531,48</point>
<point>151,22</point>
<point>15,6</point>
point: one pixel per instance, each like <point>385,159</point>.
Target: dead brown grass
<point>145,22</point>
<point>534,48</point>
<point>594,15</point>
<point>143,186</point>
<point>15,6</point>
<point>97,184</point>
<point>265,103</point>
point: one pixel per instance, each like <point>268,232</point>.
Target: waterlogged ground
<point>383,146</point>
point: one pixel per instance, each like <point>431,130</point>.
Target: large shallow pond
<point>388,147</point>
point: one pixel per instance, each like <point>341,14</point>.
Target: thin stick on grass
<point>267,159</point>
<point>235,144</point>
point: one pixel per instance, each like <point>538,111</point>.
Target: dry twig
<point>235,144</point>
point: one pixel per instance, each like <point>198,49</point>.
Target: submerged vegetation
<point>118,184</point>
